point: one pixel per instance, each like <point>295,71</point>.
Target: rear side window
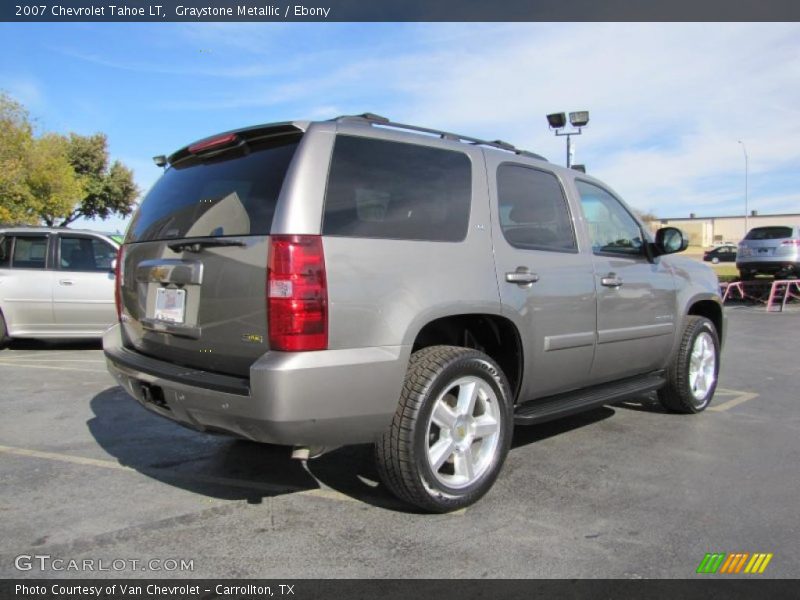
<point>30,252</point>
<point>533,210</point>
<point>381,189</point>
<point>769,233</point>
<point>232,194</point>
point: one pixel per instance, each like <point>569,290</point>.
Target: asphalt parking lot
<point>623,491</point>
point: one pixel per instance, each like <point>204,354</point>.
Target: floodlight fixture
<point>579,118</point>
<point>557,120</point>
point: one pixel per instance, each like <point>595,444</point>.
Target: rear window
<point>233,194</point>
<point>769,233</point>
<point>382,189</point>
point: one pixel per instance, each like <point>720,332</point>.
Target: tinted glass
<point>533,210</point>
<point>29,252</point>
<point>85,254</point>
<point>380,189</point>
<point>769,233</point>
<point>611,227</point>
<point>232,194</point>
<point>5,252</point>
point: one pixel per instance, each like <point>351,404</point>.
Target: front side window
<point>30,252</point>
<point>533,210</point>
<point>85,254</point>
<point>382,189</point>
<point>611,227</point>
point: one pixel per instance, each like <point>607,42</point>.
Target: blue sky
<point>668,101</point>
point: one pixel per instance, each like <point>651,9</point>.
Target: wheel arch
<point>495,335</point>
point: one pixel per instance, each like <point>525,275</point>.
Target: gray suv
<point>315,284</point>
<point>771,250</point>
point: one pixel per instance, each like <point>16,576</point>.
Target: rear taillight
<point>297,293</point>
<point>790,243</point>
<point>118,273</point>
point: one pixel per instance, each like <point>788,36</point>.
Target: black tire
<point>402,453</point>
<point>678,394</point>
<point>4,339</point>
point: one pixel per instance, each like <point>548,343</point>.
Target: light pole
<point>744,149</point>
<point>557,121</point>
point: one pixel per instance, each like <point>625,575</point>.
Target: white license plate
<point>170,305</point>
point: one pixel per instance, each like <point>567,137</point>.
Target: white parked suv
<point>55,283</point>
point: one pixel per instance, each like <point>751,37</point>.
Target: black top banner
<point>399,10</point>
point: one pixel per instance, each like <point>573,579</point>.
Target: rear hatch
<point>193,272</point>
<point>765,242</point>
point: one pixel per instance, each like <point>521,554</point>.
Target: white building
<point>706,231</point>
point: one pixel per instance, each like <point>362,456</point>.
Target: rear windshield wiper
<point>198,245</point>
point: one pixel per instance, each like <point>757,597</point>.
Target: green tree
<point>107,189</point>
<point>52,181</point>
<point>56,179</point>
<point>16,141</point>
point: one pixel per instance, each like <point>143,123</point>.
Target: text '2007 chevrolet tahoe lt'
<point>315,284</point>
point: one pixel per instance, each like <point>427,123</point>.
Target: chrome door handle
<point>522,276</point>
<point>65,282</point>
<point>611,280</point>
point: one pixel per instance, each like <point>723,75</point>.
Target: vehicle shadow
<point>530,434</point>
<point>60,344</point>
<point>223,467</point>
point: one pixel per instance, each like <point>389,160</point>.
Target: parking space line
<point>18,365</point>
<point>740,398</point>
<point>99,361</point>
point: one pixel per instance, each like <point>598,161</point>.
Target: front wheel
<point>692,375</point>
<point>451,432</point>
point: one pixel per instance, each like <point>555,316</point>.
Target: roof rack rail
<point>374,119</point>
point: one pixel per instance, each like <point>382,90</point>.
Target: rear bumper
<point>769,264</point>
<point>332,397</point>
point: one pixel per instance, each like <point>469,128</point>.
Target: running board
<point>569,403</point>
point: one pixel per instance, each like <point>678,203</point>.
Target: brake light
<point>297,293</point>
<point>790,243</point>
<point>118,273</point>
<point>216,142</point>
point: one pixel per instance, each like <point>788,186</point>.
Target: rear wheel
<point>451,431</point>
<point>692,375</point>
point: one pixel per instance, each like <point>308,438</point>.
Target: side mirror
<point>670,240</point>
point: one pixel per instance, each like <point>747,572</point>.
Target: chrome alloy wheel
<point>702,366</point>
<point>463,432</point>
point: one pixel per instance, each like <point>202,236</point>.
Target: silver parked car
<point>55,283</point>
<point>771,250</point>
<point>315,284</point>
